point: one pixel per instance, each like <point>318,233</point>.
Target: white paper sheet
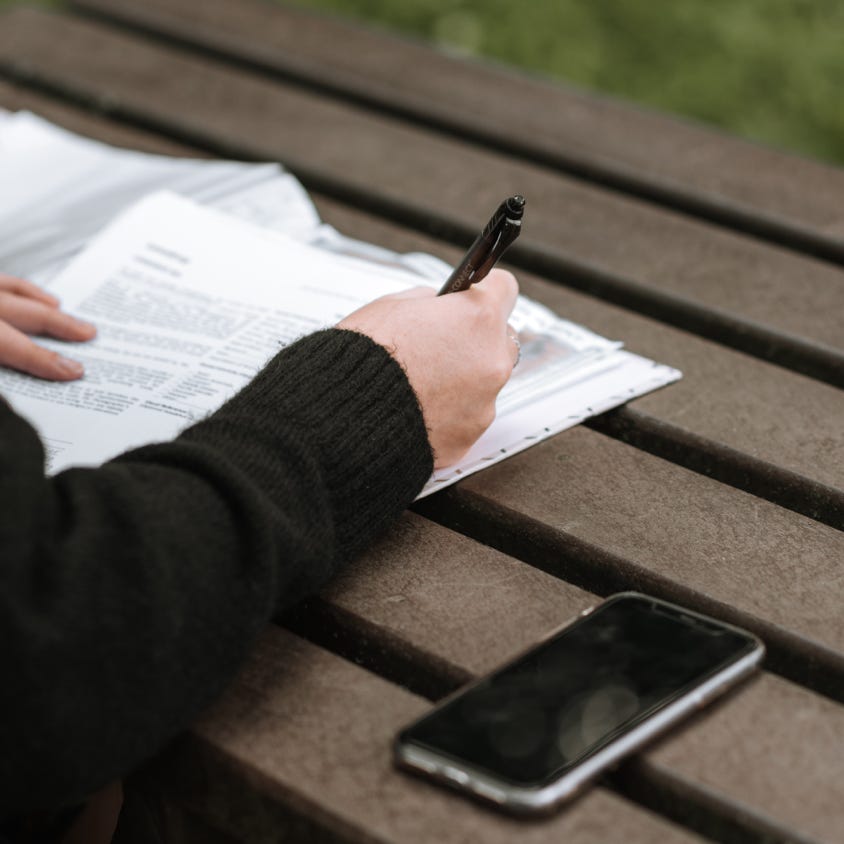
<point>190,303</point>
<point>57,190</point>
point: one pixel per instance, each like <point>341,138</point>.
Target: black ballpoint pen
<point>501,230</point>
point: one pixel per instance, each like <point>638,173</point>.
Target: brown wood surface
<point>675,162</point>
<point>17,97</point>
<point>766,752</point>
<point>303,739</point>
<point>760,297</point>
<point>300,745</point>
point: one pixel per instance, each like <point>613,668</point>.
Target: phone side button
<point>455,775</point>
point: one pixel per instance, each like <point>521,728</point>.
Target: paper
<point>177,336</point>
<point>191,302</point>
<point>59,189</point>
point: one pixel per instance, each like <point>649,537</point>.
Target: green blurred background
<point>769,70</point>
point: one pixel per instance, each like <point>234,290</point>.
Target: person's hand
<point>26,309</point>
<point>457,352</point>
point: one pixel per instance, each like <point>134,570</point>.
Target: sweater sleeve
<point>130,593</point>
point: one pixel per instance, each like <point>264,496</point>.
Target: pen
<point>501,230</point>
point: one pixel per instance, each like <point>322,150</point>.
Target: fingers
<point>38,317</point>
<point>499,288</point>
<point>11,284</point>
<point>26,309</point>
<point>19,352</point>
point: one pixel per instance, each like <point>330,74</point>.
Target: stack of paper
<point>192,293</point>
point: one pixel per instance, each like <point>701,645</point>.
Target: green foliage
<point>770,70</point>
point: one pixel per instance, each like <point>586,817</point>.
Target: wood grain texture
<point>666,522</point>
<point>675,162</point>
<point>16,97</point>
<point>303,738</point>
<point>678,262</point>
<point>474,607</point>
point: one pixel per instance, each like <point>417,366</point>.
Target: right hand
<point>455,350</point>
<point>27,309</point>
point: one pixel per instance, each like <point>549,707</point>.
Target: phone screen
<point>572,695</point>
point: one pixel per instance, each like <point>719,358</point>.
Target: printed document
<point>177,336</point>
<point>190,302</point>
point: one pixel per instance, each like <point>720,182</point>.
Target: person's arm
<point>130,593</point>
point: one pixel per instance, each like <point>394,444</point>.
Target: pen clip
<point>496,221</point>
<point>510,229</point>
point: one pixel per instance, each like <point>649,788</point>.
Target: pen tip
<point>516,205</point>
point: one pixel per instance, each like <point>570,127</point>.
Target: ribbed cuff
<point>351,402</point>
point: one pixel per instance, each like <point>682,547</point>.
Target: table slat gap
<point>375,648</point>
<point>295,692</point>
<point>645,784</point>
<point>597,170</point>
<point>716,460</point>
<point>573,560</point>
<point>692,805</point>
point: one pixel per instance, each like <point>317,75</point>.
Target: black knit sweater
<point>130,593</point>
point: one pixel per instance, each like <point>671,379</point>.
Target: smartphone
<point>535,732</point>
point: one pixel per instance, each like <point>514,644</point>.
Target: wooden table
<point>722,492</point>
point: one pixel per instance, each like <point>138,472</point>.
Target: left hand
<point>26,309</point>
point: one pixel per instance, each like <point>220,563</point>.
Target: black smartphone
<point>533,733</point>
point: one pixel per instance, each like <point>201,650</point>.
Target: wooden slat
<point>15,97</point>
<point>274,120</point>
<point>711,281</point>
<point>680,164</point>
<point>469,606</point>
<point>301,746</point>
<point>607,516</point>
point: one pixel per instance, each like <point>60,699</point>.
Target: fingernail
<point>87,326</point>
<point>69,367</point>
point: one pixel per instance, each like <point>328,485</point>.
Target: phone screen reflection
<point>578,691</point>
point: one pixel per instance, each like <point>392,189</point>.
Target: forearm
<point>131,592</point>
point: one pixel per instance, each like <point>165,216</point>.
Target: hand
<point>455,350</point>
<point>27,309</point>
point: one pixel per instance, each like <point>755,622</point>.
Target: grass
<point>768,70</point>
